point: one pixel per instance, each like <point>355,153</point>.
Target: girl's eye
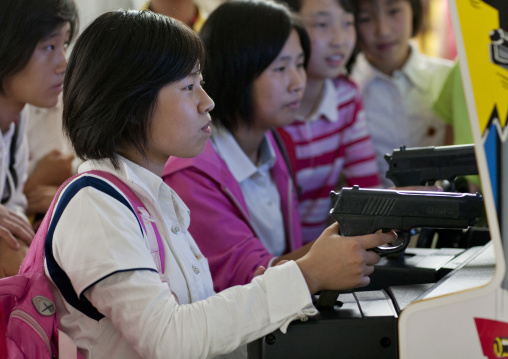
<point>280,69</point>
<point>321,24</point>
<point>300,64</point>
<point>363,18</point>
<point>393,11</point>
<point>348,24</point>
<point>50,47</point>
<point>190,87</point>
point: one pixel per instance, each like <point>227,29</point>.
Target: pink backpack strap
<point>43,240</point>
<point>34,260</point>
<point>144,217</point>
<point>33,268</point>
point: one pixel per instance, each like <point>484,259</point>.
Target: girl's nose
<point>338,37</point>
<point>381,26</point>
<point>206,104</point>
<point>298,79</point>
<point>61,62</point>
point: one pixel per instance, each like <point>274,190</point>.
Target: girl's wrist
<point>306,268</point>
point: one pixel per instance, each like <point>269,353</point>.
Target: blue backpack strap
<point>57,274</point>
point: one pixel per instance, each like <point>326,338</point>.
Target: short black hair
<point>23,23</point>
<point>242,38</point>
<point>416,8</point>
<point>115,72</point>
<point>296,5</point>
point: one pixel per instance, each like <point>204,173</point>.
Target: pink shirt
<point>221,223</point>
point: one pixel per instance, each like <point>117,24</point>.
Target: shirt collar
<point>363,72</point>
<point>413,69</point>
<point>128,172</point>
<point>142,179</point>
<point>328,105</point>
<point>7,136</point>
<point>237,161</point>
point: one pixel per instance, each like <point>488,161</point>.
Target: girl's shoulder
<point>429,72</point>
<point>438,63</point>
<point>426,62</point>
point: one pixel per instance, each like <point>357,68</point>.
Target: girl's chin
<point>286,122</point>
<point>44,103</point>
<point>191,153</point>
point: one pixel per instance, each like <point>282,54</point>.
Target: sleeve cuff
<point>288,296</point>
<point>270,262</point>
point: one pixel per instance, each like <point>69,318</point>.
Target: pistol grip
<point>327,299</point>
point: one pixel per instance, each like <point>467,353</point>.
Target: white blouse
<point>398,108</point>
<point>98,243</point>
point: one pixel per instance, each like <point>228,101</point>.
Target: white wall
<point>208,5</point>
<point>90,9</point>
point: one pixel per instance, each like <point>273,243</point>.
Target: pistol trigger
<point>398,246</point>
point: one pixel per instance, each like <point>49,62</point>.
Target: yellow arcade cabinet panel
<point>473,321</point>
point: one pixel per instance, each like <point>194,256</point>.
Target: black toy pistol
<point>425,165</point>
<point>365,211</point>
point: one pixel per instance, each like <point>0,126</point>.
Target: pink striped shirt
<point>331,143</point>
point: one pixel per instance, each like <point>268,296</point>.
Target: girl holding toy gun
<point>147,70</point>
